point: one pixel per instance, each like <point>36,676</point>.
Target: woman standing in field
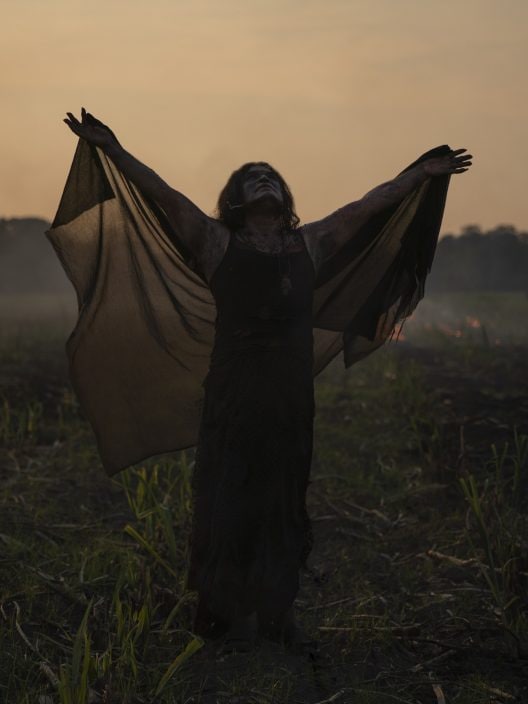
<point>266,304</point>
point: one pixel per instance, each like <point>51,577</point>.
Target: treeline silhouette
<point>28,263</point>
<point>474,260</point>
<point>477,260</point>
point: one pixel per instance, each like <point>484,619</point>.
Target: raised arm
<point>203,236</point>
<point>325,237</point>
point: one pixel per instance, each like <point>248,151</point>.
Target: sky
<point>338,95</point>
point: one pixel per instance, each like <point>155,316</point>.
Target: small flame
<point>473,322</point>
<point>449,331</point>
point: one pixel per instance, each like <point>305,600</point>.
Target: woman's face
<point>261,183</point>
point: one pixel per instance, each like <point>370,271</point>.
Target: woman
<point>251,533</point>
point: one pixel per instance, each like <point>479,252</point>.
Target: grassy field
<point>417,585</point>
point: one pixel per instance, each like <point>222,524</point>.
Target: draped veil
<point>141,347</point>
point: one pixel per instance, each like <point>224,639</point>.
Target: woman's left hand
<point>454,163</point>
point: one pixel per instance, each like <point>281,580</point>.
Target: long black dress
<point>251,532</point>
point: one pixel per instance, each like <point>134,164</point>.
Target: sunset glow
<point>338,95</point>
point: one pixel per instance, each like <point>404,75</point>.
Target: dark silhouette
<point>286,300</point>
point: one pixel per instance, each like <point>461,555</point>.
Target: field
<point>417,585</point>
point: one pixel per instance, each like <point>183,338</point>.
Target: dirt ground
<point>410,617</point>
<point>396,593</point>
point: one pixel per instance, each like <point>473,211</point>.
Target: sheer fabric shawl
<point>141,347</point>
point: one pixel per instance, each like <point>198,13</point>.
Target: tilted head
<point>251,183</point>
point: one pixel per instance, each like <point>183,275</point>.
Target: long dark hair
<point>230,207</point>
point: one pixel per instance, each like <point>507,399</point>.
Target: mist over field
<point>28,263</point>
<point>472,260</point>
<point>478,285</point>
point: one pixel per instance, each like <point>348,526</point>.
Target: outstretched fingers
<point>456,162</point>
<point>73,123</point>
<point>73,119</point>
<point>91,129</point>
<point>460,161</point>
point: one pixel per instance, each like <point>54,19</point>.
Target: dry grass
<point>417,583</point>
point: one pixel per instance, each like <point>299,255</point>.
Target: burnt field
<point>418,581</point>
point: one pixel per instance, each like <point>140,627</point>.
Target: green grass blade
<point>191,648</point>
<point>83,685</point>
<point>80,640</point>
<point>130,530</point>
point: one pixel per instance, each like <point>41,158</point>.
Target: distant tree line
<point>28,263</point>
<point>494,260</point>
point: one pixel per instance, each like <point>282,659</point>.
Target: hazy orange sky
<point>339,95</point>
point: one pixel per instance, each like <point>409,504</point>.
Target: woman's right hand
<point>92,130</point>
